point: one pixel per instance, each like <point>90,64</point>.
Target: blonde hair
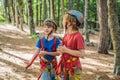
<point>72,20</point>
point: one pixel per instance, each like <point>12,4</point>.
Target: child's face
<point>66,24</point>
<point>48,29</point>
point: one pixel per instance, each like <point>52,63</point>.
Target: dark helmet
<point>77,14</point>
<point>50,20</point>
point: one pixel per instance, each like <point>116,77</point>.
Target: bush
<point>2,19</point>
<point>35,36</point>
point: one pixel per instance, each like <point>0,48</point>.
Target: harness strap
<point>44,62</point>
<point>54,45</point>
<point>42,46</point>
<point>71,64</point>
<point>63,63</point>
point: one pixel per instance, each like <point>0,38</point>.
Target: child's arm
<point>78,53</point>
<point>49,53</point>
<point>36,53</point>
<point>60,36</point>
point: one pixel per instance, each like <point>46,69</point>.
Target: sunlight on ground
<point>16,57</point>
<point>10,59</point>
<point>11,28</point>
<point>89,52</point>
<point>18,53</point>
<point>7,73</point>
<point>94,40</point>
<point>89,67</point>
<point>89,72</point>
<point>14,36</point>
<point>11,31</point>
<point>26,47</point>
<point>94,62</point>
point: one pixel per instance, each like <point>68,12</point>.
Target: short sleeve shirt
<point>48,45</point>
<point>74,41</point>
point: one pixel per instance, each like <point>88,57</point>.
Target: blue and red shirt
<point>48,45</point>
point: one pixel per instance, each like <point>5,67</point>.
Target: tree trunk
<point>30,17</point>
<point>49,8</point>
<point>86,22</point>
<point>9,16</point>
<point>26,13</point>
<point>110,46</point>
<point>115,33</point>
<point>103,22</point>
<point>3,8</point>
<point>58,11</point>
<point>52,9</point>
<point>12,11</point>
<point>45,10</point>
<point>70,5</point>
<point>40,12</point>
<point>63,11</point>
<point>97,16</point>
<point>21,13</point>
<point>16,14</point>
<point>62,6</point>
<point>7,10</point>
<point>83,7</point>
<point>37,13</point>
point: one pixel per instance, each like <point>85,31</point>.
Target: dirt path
<point>16,47</point>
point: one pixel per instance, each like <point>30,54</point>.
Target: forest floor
<point>16,47</point>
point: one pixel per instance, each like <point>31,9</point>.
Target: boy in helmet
<point>46,50</point>
<point>69,67</point>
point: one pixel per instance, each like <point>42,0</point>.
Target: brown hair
<point>50,24</point>
<point>72,20</point>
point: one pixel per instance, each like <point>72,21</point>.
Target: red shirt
<point>74,41</point>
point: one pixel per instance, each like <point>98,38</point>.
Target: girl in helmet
<point>69,67</point>
<point>46,50</point>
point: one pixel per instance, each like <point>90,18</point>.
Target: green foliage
<point>76,4</point>
<point>2,19</point>
<point>35,36</point>
<point>92,14</point>
<point>92,10</point>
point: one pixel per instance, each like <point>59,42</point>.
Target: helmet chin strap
<point>65,28</point>
<point>49,34</point>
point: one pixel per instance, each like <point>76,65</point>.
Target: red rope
<point>29,64</point>
<point>63,64</point>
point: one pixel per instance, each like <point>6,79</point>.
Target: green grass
<point>2,19</point>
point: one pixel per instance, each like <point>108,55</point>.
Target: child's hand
<point>59,52</point>
<point>27,65</point>
<point>61,49</point>
<point>42,53</point>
